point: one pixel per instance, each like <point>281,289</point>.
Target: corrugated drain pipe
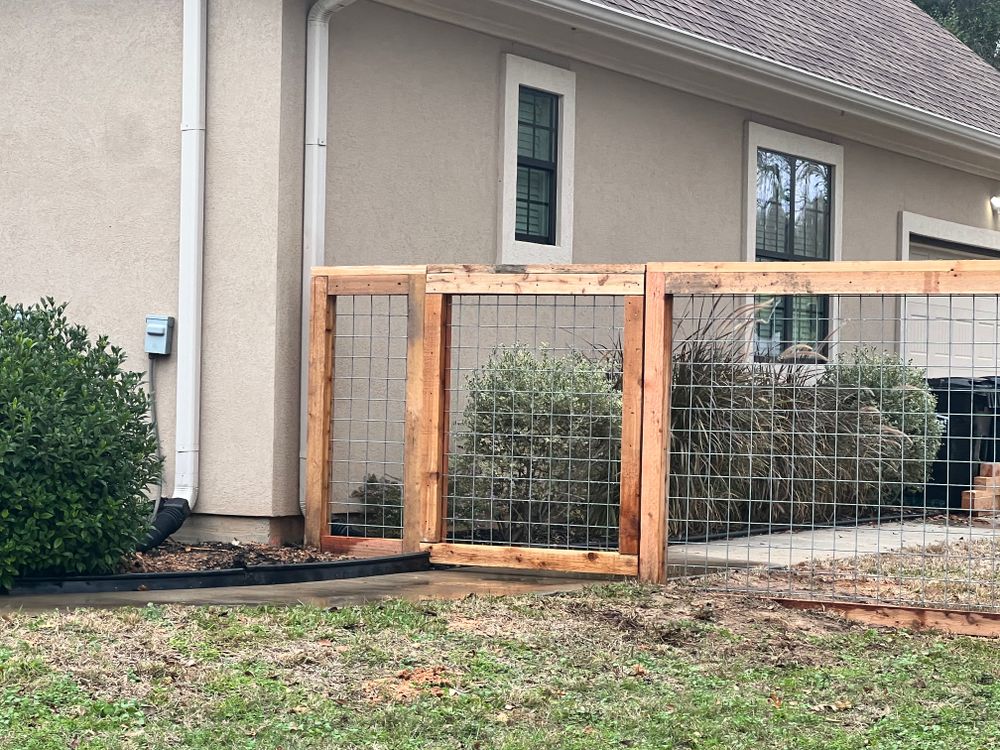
<point>314,191</point>
<point>173,511</point>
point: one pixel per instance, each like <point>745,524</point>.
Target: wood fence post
<point>631,461</point>
<point>655,477</point>
<point>319,412</point>
<point>431,451</point>
<point>412,467</point>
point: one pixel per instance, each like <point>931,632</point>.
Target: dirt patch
<point>175,557</point>
<point>409,684</point>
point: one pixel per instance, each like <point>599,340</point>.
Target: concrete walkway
<point>791,548</point>
<point>432,584</point>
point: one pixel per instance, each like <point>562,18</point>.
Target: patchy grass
<point>617,666</point>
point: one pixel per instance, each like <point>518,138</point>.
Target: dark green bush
<point>540,445</point>
<point>77,449</point>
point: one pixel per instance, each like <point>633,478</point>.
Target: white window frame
<point>520,71</point>
<point>772,139</point>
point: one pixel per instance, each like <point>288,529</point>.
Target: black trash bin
<point>969,406</point>
<point>990,451</point>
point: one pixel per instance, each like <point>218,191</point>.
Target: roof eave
<point>739,63</point>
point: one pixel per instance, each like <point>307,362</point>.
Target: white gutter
<point>749,66</point>
<point>314,191</point>
<point>190,250</point>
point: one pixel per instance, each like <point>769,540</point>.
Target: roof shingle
<point>889,48</point>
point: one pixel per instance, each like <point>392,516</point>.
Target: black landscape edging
<point>255,575</point>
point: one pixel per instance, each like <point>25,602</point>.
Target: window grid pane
<point>537,124</point>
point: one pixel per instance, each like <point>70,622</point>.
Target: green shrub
<point>377,503</point>
<point>76,447</point>
<point>882,381</point>
<point>539,446</point>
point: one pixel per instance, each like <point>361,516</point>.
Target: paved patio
<point>785,549</point>
<point>437,584</point>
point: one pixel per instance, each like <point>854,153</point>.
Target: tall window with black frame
<point>537,131</point>
<point>793,224</point>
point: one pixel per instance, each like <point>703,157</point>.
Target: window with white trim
<point>793,214</point>
<point>537,134</point>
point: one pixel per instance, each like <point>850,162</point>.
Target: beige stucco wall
<point>659,173</point>
<point>89,163</point>
<point>89,155</point>
<point>89,167</point>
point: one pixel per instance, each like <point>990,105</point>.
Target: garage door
<point>950,335</point>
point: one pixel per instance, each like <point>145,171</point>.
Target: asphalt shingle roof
<point>885,47</point>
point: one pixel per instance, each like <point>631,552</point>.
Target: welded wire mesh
<point>840,447</point>
<point>369,400</point>
<point>535,412</point>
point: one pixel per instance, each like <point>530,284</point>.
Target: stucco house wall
<point>89,164</point>
<point>413,166</point>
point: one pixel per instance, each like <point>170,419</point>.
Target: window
<point>537,135</point>
<point>794,216</point>
<point>537,118</point>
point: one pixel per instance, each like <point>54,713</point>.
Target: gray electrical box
<point>159,334</point>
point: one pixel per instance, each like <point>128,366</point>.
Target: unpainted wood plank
<point>957,622</point>
<point>535,283</point>
<point>374,285</point>
<point>860,277</point>
<point>361,546</point>
<point>319,411</point>
<point>631,455</point>
<point>412,467</point>
<point>654,480</point>
<point>987,483</point>
<point>430,454</point>
<point>445,416</point>
<point>566,561</point>
<point>343,271</point>
<point>539,268</point>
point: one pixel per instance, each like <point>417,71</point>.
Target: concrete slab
<point>433,584</point>
<point>791,548</point>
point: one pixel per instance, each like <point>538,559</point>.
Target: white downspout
<point>191,250</point>
<point>314,191</point>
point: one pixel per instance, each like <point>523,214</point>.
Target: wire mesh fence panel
<point>369,399</point>
<point>842,446</point>
<point>535,420</point>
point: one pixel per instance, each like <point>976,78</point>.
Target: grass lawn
<point>617,666</point>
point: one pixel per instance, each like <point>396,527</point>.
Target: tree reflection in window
<point>793,224</point>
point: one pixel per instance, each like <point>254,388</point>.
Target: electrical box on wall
<point>159,334</point>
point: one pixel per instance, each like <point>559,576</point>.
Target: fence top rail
<point>555,268</point>
<point>824,277</point>
<point>374,271</point>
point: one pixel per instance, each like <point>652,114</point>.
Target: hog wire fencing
<point>815,431</point>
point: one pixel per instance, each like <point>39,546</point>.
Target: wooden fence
<point>648,292</point>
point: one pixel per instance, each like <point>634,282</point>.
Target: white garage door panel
<point>951,335</point>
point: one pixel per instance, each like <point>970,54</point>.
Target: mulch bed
<point>175,557</point>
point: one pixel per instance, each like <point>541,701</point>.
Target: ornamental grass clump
<point>77,448</point>
<point>786,442</point>
<point>539,444</point>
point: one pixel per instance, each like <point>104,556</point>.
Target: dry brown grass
<point>964,574</point>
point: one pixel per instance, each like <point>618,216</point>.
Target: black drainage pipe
<point>170,516</point>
